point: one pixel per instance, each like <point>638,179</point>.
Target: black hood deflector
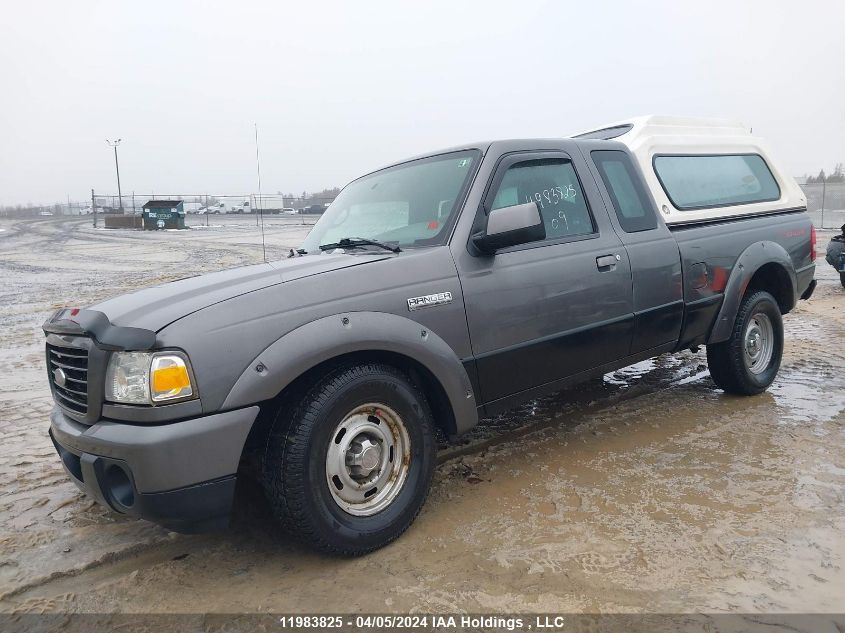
<point>93,323</point>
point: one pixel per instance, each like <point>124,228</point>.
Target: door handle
<point>607,262</point>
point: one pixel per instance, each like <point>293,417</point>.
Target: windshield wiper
<point>353,242</point>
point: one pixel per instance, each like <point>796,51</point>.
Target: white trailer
<point>264,203</point>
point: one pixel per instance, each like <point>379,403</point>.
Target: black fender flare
<point>747,264</point>
<point>329,337</point>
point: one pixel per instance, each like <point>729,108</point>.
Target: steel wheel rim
<point>758,343</point>
<point>368,459</point>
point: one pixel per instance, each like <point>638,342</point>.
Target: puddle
<point>809,395</point>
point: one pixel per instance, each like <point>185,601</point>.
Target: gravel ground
<point>648,491</point>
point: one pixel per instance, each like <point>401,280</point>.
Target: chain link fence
<point>826,204</point>
<point>203,208</point>
<point>193,204</point>
<point>57,208</point>
<point>214,204</point>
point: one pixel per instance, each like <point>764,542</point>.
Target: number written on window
<point>552,184</point>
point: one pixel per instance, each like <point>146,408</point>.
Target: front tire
<point>842,279</point>
<point>747,363</point>
<point>348,467</point>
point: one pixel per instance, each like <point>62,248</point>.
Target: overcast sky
<point>338,89</point>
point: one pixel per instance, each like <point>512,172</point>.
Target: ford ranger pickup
<point>430,293</point>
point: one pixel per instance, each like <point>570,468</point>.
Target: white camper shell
<point>704,169</point>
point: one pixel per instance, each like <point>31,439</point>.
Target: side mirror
<point>510,226</point>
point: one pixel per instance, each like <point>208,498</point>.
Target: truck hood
<point>156,307</point>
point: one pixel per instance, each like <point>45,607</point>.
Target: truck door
<point>543,311</point>
<point>658,294</point>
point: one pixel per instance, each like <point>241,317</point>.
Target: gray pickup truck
<point>434,291</point>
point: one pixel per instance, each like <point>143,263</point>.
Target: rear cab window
<point>708,181</point>
<point>630,201</point>
<point>553,185</point>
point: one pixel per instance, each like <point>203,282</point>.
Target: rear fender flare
<point>747,264</point>
<point>329,337</point>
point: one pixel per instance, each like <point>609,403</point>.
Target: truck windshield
<point>412,204</point>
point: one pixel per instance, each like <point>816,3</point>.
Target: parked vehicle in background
<point>289,211</point>
<point>455,285</point>
<point>835,255</point>
<point>214,209</point>
<point>267,204</point>
<point>45,213</point>
<point>70,210</point>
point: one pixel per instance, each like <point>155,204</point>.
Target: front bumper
<point>180,475</point>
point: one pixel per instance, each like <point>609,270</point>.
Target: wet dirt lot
<point>647,491</point>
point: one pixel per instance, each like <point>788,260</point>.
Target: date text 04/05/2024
<point>509,623</point>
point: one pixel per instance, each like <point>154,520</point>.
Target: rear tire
<point>747,363</point>
<point>842,279</point>
<point>348,467</point>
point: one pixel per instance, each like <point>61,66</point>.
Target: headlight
<point>148,377</point>
<point>127,378</point>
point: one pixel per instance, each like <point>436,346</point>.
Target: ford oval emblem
<point>59,377</point>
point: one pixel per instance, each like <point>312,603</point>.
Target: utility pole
<point>260,204</point>
<point>94,208</point>
<point>114,144</point>
<point>824,187</point>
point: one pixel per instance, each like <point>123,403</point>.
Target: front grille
<point>72,364</point>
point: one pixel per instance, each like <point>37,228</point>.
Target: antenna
<point>260,204</point>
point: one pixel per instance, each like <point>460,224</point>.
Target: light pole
<point>824,188</point>
<point>114,144</point>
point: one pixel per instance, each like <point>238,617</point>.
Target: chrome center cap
<point>362,457</point>
<point>59,377</point>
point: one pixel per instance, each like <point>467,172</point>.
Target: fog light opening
<point>119,486</point>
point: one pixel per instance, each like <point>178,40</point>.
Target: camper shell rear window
<point>706,181</point>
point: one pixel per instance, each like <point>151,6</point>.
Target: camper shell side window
<point>707,181</point>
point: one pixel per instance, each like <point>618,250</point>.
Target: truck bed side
<point>721,259</point>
